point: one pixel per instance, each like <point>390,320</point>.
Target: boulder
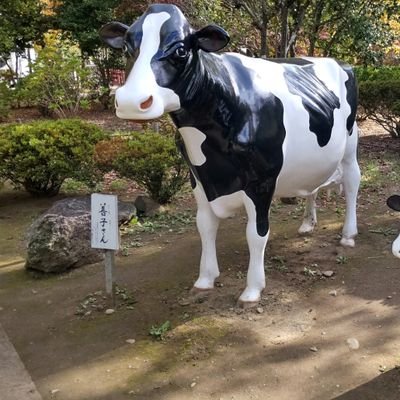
<point>60,238</point>
<point>147,207</point>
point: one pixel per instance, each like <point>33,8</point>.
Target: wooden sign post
<point>105,233</point>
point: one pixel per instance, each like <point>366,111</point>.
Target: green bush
<point>153,161</point>
<point>40,155</point>
<point>379,96</point>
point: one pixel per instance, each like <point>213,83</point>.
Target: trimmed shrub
<point>40,155</point>
<point>107,151</point>
<point>151,160</point>
<point>379,97</point>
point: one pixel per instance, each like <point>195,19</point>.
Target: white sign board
<point>105,232</point>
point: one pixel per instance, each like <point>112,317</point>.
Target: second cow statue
<point>252,128</point>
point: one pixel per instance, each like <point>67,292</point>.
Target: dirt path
<point>294,346</point>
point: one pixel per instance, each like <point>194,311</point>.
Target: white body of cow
<point>307,166</point>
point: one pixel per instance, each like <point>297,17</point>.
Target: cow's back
<point>316,116</point>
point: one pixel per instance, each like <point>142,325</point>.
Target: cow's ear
<point>113,34</point>
<point>211,38</point>
<point>394,202</point>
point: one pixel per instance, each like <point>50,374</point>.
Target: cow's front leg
<point>207,225</point>
<point>310,215</point>
<point>257,232</point>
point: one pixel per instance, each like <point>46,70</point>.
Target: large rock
<point>146,206</point>
<point>60,238</point>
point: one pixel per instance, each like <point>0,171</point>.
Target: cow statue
<point>394,203</point>
<point>252,128</point>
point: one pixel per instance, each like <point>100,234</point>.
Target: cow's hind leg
<point>256,243</point>
<point>351,183</point>
<point>207,225</point>
<point>310,215</point>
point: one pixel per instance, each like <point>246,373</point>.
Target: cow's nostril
<point>147,104</point>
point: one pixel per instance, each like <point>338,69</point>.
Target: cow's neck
<point>207,95</point>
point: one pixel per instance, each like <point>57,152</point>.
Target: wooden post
<point>105,234</point>
<point>109,272</point>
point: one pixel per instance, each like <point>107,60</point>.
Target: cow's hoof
<point>347,242</point>
<point>306,228</point>
<point>250,296</point>
<point>247,305</point>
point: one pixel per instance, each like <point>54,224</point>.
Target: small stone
<point>314,349</point>
<point>353,343</point>
<point>389,297</point>
<point>109,311</point>
<point>328,274</point>
<point>54,391</point>
<point>382,368</point>
<point>260,310</point>
<point>34,291</point>
<point>184,302</point>
<point>333,293</point>
<point>131,341</point>
<point>193,384</point>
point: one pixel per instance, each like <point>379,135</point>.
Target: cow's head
<point>394,203</point>
<point>158,46</point>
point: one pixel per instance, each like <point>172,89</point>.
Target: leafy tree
<point>22,22</point>
<point>326,27</point>
<point>80,21</point>
<point>357,27</point>
<point>59,82</point>
<point>235,21</point>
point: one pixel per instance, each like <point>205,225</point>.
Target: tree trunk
<point>264,52</point>
<point>284,31</point>
<point>264,31</point>
<point>315,27</point>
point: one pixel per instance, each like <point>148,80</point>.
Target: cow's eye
<point>125,48</point>
<point>181,52</point>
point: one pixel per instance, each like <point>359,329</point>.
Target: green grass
<point>377,173</point>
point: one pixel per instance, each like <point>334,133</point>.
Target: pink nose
<point>146,104</point>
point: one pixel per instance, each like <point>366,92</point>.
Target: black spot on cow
<point>351,95</point>
<point>317,99</point>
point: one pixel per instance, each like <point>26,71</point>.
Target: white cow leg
<point>255,273</point>
<point>207,225</point>
<point>351,183</point>
<point>310,215</point>
<point>396,247</point>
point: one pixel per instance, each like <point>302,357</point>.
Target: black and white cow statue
<point>252,128</point>
<point>394,203</point>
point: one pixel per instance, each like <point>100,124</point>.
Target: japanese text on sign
<point>105,234</point>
